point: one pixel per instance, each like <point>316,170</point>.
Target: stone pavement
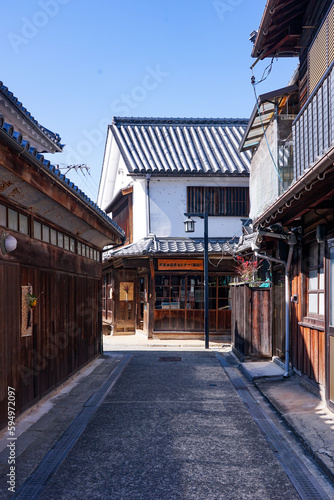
<point>172,428</point>
<point>301,408</point>
<point>303,411</point>
<point>152,436</point>
<point>39,428</point>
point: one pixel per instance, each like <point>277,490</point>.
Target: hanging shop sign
<point>180,265</point>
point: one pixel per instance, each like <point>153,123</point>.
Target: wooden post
<point>151,298</point>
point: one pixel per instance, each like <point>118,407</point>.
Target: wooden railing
<point>313,129</point>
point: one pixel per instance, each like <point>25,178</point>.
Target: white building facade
<point>154,171</point>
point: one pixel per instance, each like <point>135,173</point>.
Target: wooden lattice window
<point>223,201</point>
<point>321,53</point>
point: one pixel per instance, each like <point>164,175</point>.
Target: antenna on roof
<point>252,36</point>
<point>81,166</point>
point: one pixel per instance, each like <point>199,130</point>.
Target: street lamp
<point>189,227</point>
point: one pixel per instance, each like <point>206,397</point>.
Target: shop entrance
<point>179,303</point>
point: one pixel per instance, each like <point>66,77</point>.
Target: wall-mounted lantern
<point>7,243</point>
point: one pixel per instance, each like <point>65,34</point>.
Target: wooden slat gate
<point>251,321</point>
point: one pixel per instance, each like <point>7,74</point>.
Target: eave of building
<point>281,28</point>
<point>182,146</point>
<point>263,113</point>
<point>167,247</point>
<point>33,183</point>
<point>308,192</point>
<point>12,110</point>
<point>117,198</point>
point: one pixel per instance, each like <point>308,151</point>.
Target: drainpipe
<point>291,242</point>
<point>148,178</point>
<point>287,265</point>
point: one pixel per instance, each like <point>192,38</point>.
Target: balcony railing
<point>313,129</point>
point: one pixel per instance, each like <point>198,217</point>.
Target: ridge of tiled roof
<point>179,120</point>
<point>182,146</point>
<point>51,136</point>
<point>8,130</point>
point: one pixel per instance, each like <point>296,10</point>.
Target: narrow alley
<point>152,423</point>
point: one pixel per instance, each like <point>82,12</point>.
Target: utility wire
<point>265,75</point>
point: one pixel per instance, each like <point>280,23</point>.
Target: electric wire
<point>265,75</point>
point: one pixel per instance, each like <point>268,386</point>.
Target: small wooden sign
<point>180,265</point>
<point>26,312</point>
<point>126,290</point>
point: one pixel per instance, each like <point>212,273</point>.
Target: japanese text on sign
<point>176,265</point>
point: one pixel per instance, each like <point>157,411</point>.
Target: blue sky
<point>74,64</point>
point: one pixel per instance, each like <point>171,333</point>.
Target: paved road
<point>171,430</point>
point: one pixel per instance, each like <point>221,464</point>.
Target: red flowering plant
<point>246,269</point>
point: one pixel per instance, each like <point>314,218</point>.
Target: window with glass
<point>187,292</point>
<point>53,237</point>
<point>17,221</point>
<point>23,224</point>
<point>14,220</point>
<point>195,292</point>
<point>219,292</point>
<point>46,233</point>
<point>37,230</point>
<point>316,280</point>
<point>72,245</point>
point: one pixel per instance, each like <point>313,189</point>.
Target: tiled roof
<point>8,133</point>
<point>246,242</point>
<point>50,136</point>
<point>152,245</point>
<point>176,146</point>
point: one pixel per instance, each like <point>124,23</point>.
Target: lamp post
<point>189,226</point>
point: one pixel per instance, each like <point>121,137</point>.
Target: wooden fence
<point>251,321</point>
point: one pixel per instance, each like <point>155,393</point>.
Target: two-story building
<point>154,171</point>
<point>51,241</point>
<point>291,136</point>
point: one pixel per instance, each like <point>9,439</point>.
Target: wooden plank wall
<point>66,331</point>
<point>261,322</point>
<point>251,321</point>
<point>307,343</point>
<point>191,320</point>
<point>240,297</point>
<point>311,354</point>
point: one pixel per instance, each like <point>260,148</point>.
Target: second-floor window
<point>224,201</point>
<point>321,52</point>
<point>316,282</point>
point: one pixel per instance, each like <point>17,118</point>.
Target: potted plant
<point>246,269</point>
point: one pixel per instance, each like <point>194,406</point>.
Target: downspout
<point>291,242</point>
<point>287,265</point>
<point>148,178</point>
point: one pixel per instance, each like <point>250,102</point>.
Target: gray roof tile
<point>51,136</point>
<point>175,146</point>
<point>150,246</point>
<point>7,131</point>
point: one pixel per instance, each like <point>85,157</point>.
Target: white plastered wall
<point>168,203</point>
<point>264,180</point>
